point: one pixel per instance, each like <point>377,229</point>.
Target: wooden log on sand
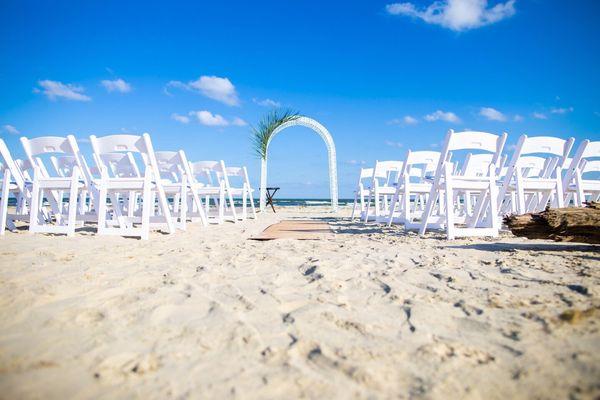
<point>572,224</point>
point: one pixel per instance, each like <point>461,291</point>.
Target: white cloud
<point>237,121</point>
<point>562,110</point>
<point>393,144</point>
<point>457,15</point>
<point>180,118</point>
<point>440,115</point>
<point>220,89</point>
<point>539,115</point>
<point>55,89</point>
<point>518,118</point>
<point>267,103</point>
<point>492,114</point>
<point>209,119</point>
<point>116,85</point>
<point>356,162</point>
<point>406,120</point>
<point>213,87</point>
<point>10,129</point>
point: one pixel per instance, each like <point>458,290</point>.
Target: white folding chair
<point>536,184</point>
<point>413,186</point>
<point>64,166</point>
<point>244,191</point>
<point>120,219</point>
<point>484,220</point>
<point>177,180</point>
<point>205,185</point>
<point>383,187</point>
<point>14,183</point>
<point>63,216</point>
<point>585,161</point>
<point>361,191</point>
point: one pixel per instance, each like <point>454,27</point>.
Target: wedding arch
<point>276,123</point>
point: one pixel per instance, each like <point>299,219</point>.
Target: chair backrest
<point>477,164</point>
<point>534,166</point>
<point>175,164</point>
<point>552,147</point>
<point>63,165</point>
<point>590,166</point>
<point>387,171</point>
<point>9,163</point>
<point>420,163</point>
<point>141,144</point>
<point>170,165</point>
<point>546,145</point>
<point>239,172</point>
<point>365,173</point>
<point>120,165</point>
<point>203,170</point>
<point>474,141</point>
<point>51,145</point>
<point>581,159</point>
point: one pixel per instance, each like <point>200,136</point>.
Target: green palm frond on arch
<point>262,133</point>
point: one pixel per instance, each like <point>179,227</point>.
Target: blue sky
<point>383,77</point>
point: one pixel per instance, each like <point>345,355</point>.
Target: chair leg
<point>430,203</point>
<point>72,218</point>
<point>448,192</point>
<point>183,205</point>
<point>393,207</point>
<point>244,201</point>
<point>102,210</point>
<point>520,195</point>
<point>4,200</point>
<point>164,206</point>
<point>366,219</point>
<point>147,206</point>
<point>232,204</point>
<point>493,202</point>
<point>221,205</point>
<point>252,205</point>
<point>36,204</point>
<point>559,190</point>
<point>354,205</point>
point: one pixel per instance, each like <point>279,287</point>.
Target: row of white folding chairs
<point>433,191</point>
<point>158,196</point>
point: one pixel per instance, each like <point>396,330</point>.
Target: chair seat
<point>58,183</point>
<point>120,183</point>
<point>420,187</point>
<point>386,190</point>
<point>536,184</point>
<point>586,185</point>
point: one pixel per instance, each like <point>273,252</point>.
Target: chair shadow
<point>344,226</point>
<point>499,246</point>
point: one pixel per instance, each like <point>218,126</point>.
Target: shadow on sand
<point>566,247</point>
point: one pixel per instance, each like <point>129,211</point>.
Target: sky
<point>382,76</point>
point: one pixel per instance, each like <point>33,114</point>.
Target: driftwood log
<point>572,224</point>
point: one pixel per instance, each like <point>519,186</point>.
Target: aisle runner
<point>294,229</point>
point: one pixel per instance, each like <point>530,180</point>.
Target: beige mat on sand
<point>296,229</point>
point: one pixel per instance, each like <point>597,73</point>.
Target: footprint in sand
<point>117,367</point>
<point>310,272</point>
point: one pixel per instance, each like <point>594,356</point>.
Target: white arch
<point>326,136</point>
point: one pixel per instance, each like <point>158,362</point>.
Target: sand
<point>373,312</point>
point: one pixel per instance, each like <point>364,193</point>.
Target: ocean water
<point>308,202</point>
<point>277,202</point>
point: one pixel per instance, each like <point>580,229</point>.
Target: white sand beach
<point>372,312</point>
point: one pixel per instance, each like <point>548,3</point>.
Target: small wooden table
<point>270,196</point>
